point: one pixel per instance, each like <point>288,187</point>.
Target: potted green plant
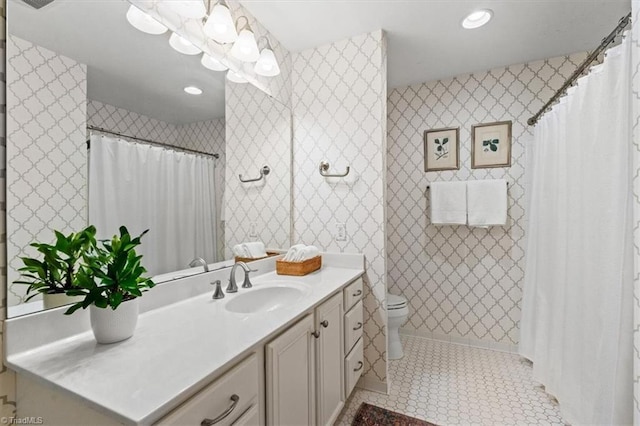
<point>55,274</point>
<point>110,281</point>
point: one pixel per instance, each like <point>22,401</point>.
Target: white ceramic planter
<point>54,300</point>
<point>110,326</point>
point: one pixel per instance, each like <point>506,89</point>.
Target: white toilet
<point>397,313</point>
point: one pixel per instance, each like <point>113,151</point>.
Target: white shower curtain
<point>576,322</point>
<point>170,193</point>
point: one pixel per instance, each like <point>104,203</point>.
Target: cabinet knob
<point>357,293</point>
<point>359,367</point>
<point>316,334</point>
<point>357,327</point>
<point>210,422</point>
<point>325,323</point>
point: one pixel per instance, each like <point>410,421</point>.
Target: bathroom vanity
<point>287,351</point>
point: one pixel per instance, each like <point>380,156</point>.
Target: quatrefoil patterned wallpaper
<point>635,104</point>
<point>339,109</point>
<point>463,284</point>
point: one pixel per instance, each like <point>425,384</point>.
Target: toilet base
<point>395,345</point>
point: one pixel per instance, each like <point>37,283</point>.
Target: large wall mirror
<point>109,126</point>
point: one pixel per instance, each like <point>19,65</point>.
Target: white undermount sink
<point>267,297</point>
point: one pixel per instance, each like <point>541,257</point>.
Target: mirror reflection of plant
<point>111,274</point>
<point>441,149</point>
<point>56,273</point>
<point>491,144</point>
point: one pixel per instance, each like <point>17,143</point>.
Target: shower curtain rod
<point>150,142</point>
<point>584,66</point>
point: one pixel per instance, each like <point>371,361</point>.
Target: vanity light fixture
<point>267,64</point>
<point>143,22</point>
<point>183,45</point>
<point>193,90</point>
<point>212,63</point>
<point>245,47</point>
<point>193,9</point>
<point>477,19</point>
<point>235,77</point>
<point>219,25</point>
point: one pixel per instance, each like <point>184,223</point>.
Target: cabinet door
<point>330,359</point>
<point>290,360</point>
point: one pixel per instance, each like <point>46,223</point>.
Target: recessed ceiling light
<point>193,90</point>
<point>477,19</point>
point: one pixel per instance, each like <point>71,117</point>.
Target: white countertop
<point>176,350</point>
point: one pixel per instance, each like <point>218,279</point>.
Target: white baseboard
<point>464,341</point>
<point>373,385</point>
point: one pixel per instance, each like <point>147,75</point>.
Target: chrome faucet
<point>217,293</point>
<point>199,261</point>
<point>233,286</point>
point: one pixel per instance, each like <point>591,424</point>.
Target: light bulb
<point>267,64</point>
<point>183,45</point>
<point>193,9</point>
<point>477,19</point>
<point>235,77</point>
<point>220,26</point>
<point>143,22</point>
<point>212,63</point>
<point>245,48</point>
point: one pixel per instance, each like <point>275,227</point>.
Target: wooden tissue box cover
<point>251,259</point>
<point>298,268</point>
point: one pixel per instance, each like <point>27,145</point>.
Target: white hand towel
<point>309,252</point>
<point>487,202</point>
<point>448,203</point>
<point>292,252</point>
<point>256,249</point>
<point>239,251</point>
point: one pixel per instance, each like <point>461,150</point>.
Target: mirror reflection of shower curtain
<point>576,322</point>
<point>171,193</point>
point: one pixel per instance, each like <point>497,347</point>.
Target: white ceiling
<point>425,39</point>
<point>126,68</point>
<point>141,73</point>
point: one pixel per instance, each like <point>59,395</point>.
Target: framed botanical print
<point>491,145</point>
<point>441,149</point>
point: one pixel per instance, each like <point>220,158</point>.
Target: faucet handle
<point>246,283</point>
<point>217,293</point>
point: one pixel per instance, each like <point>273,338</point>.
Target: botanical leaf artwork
<point>441,148</point>
<point>491,144</point>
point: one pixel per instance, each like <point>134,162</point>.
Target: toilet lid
<point>396,302</point>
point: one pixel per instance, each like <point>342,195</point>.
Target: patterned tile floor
<point>450,384</point>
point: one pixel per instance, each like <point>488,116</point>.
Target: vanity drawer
<point>352,294</point>
<point>214,400</point>
<point>352,326</point>
<point>353,366</point>
<point>251,417</point>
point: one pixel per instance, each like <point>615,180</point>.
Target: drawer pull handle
<point>209,422</point>
<point>316,334</point>
<point>325,323</point>
<point>357,327</point>
<point>357,293</point>
<point>359,367</point>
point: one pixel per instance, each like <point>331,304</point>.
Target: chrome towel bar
<point>265,170</point>
<point>324,167</point>
<point>429,186</point>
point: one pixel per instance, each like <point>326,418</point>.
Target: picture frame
<point>491,145</point>
<point>442,149</point>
